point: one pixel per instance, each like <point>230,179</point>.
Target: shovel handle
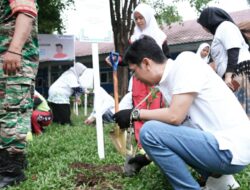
<point>116,95</point>
<point>114,59</point>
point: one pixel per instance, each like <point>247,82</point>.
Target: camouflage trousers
<point>16,105</point>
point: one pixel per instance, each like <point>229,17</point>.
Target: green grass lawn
<point>66,158</point>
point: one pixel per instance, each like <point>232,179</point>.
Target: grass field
<point>66,158</point>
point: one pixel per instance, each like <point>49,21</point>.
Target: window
<point>106,77</point>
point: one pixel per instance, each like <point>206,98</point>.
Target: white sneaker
<point>225,182</point>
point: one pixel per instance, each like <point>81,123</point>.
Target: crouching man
<point>221,143</point>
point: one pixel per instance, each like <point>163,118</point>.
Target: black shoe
<point>133,165</point>
<point>11,168</point>
<point>11,180</point>
<point>130,170</point>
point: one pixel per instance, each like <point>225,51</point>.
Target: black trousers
<point>61,113</point>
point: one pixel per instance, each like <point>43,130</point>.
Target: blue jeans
<point>172,148</point>
<point>107,117</point>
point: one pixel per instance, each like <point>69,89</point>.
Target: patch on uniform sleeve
<point>24,6</point>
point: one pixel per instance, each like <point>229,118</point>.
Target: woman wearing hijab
<point>60,91</point>
<point>230,51</point>
<point>145,24</point>
<point>204,51</point>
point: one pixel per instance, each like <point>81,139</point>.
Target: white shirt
<point>227,36</point>
<point>86,80</point>
<point>107,103</point>
<point>215,108</point>
<point>61,89</point>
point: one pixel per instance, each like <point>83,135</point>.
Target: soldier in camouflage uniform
<point>18,69</point>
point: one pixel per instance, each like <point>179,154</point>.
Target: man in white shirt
<point>220,144</point>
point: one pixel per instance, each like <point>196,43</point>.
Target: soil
<point>93,177</point>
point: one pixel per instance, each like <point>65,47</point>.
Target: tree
<point>123,25</point>
<point>50,17</point>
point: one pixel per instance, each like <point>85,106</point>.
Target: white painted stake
<point>75,108</point>
<point>97,104</point>
<point>77,113</point>
<point>85,103</point>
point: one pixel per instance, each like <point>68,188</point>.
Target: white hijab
<point>151,29</point>
<point>78,69</point>
<point>198,52</point>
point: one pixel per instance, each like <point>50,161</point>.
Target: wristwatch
<point>136,114</point>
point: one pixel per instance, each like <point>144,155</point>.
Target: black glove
<point>123,118</point>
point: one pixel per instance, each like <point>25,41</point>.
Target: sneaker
<point>225,182</point>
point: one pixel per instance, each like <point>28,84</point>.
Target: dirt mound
<point>95,177</point>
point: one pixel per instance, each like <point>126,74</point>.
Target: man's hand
<point>123,118</point>
<point>231,83</point>
<point>89,121</point>
<point>78,100</point>
<point>11,63</point>
<point>228,80</point>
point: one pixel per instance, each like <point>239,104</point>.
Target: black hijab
<point>211,18</point>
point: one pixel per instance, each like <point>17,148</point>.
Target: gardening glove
<point>123,118</point>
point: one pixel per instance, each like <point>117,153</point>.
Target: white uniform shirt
<point>215,108</point>
<point>227,36</point>
<point>107,103</point>
<point>61,89</point>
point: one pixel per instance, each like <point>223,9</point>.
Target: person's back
<point>41,115</point>
<point>42,104</point>
<point>60,91</point>
<point>107,103</point>
<point>62,88</point>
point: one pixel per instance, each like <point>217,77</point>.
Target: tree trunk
<point>122,26</point>
<point>123,80</point>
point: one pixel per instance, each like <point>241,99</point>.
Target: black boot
<point>11,169</point>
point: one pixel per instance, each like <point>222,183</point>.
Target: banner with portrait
<point>56,47</point>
